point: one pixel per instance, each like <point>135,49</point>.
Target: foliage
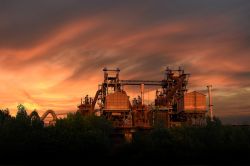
<point>22,115</point>
<point>35,120</point>
<point>79,138</point>
<point>25,135</point>
<point>209,144</point>
<point>4,116</point>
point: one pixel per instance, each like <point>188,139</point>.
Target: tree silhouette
<point>35,119</point>
<point>22,115</point>
<point>76,136</point>
<point>4,115</point>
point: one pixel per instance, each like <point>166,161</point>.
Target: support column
<point>210,105</point>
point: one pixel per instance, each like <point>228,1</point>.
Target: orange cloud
<point>66,63</point>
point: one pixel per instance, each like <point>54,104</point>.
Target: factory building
<point>173,104</point>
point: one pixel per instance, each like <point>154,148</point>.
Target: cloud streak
<point>51,53</point>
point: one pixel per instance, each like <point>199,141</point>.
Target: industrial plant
<point>173,104</point>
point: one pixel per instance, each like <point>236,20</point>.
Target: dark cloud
<point>232,102</point>
<point>210,39</point>
<point>26,23</point>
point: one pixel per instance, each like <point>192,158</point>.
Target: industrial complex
<point>173,104</point>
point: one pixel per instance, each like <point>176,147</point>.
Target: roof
<point>196,93</point>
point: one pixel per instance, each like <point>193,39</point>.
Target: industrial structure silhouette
<point>173,104</point>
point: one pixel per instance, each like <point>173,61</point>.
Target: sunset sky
<point>52,52</point>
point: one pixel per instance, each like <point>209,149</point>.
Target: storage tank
<point>118,101</point>
<point>192,102</point>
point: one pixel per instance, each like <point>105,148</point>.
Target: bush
<point>78,138</point>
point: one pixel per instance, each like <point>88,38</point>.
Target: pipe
<point>142,94</point>
<point>210,105</point>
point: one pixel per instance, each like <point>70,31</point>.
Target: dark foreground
<point>81,140</point>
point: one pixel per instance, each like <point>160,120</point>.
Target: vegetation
<point>76,138</point>
<point>211,144</point>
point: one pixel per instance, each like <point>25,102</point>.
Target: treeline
<point>24,139</point>
<point>210,144</point>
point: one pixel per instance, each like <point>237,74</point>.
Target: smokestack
<point>142,94</point>
<point>210,105</point>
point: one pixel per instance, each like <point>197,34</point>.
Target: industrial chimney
<point>210,105</point>
<point>142,93</point>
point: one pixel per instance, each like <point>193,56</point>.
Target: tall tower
<point>210,105</point>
